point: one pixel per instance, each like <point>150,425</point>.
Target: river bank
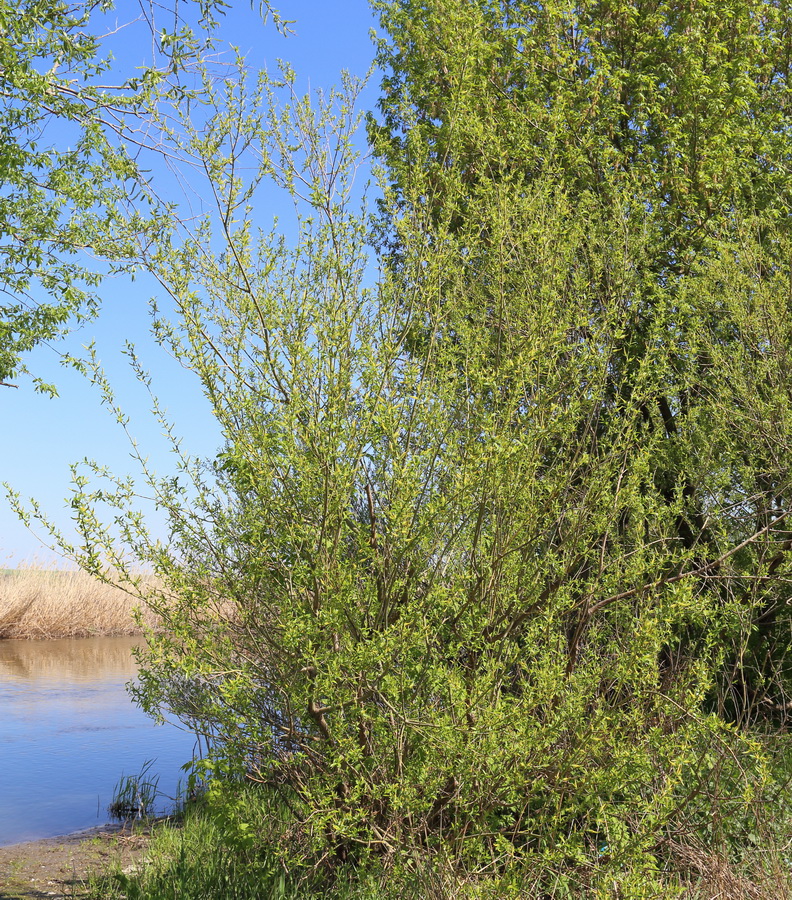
<point>40,603</point>
<point>68,698</point>
<point>60,867</point>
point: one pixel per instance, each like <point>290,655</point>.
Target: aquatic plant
<point>135,796</point>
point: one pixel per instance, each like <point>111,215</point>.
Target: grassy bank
<point>48,603</point>
<point>244,844</point>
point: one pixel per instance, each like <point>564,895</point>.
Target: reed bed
<point>50,603</point>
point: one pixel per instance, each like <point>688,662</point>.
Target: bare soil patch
<point>58,868</point>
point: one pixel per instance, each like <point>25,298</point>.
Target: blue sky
<point>42,436</point>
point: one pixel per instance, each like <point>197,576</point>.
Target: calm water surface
<point>69,731</point>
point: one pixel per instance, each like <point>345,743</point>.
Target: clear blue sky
<point>42,436</point>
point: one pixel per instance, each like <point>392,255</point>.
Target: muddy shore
<point>58,868</point>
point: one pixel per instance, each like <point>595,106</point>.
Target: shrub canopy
<point>494,557</point>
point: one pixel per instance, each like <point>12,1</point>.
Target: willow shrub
<point>684,110</point>
<point>432,585</point>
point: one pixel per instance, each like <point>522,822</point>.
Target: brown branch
<point>692,573</point>
<point>704,569</point>
<point>317,714</point>
<point>382,594</point>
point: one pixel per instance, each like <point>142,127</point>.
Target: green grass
<point>192,860</point>
<point>135,796</point>
<point>223,848</point>
<point>230,846</point>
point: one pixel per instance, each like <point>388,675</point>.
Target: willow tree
<point>486,529</point>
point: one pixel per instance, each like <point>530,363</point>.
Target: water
<point>69,731</point>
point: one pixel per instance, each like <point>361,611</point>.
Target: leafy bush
<point>491,567</point>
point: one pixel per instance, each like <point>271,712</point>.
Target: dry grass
<point>709,875</point>
<point>47,603</point>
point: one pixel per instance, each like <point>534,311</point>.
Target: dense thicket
<point>492,567</point>
<point>686,105</point>
<point>668,119</point>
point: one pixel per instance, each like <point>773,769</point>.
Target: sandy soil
<point>57,868</point>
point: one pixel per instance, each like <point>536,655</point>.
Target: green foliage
<point>688,104</point>
<point>44,51</point>
<point>491,567</point>
<point>69,142</point>
<point>655,119</point>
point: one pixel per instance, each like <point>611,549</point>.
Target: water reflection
<point>72,661</point>
<point>68,732</point>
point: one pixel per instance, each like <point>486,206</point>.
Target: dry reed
<point>48,603</point>
<point>763,872</point>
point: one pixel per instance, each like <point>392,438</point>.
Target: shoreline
<point>59,867</point>
<point>72,635</point>
<point>69,837</point>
